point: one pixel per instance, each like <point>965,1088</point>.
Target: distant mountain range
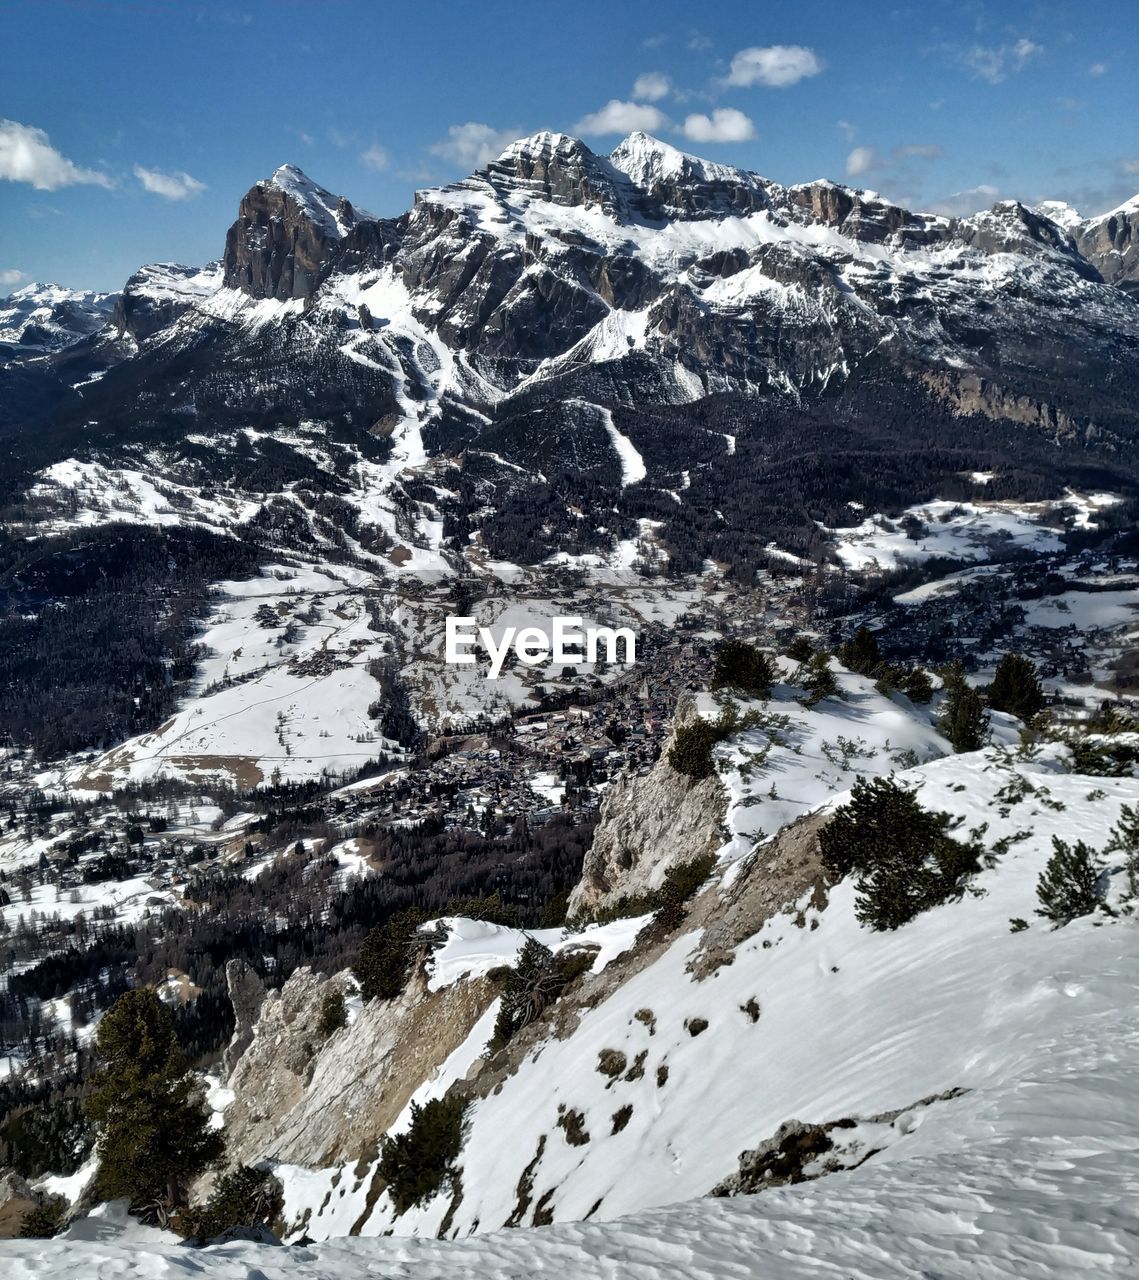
<point>647,333</point>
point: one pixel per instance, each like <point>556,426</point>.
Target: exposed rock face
<point>284,236</point>
<point>247,995</point>
<point>1111,244</point>
<point>156,296</point>
<point>43,318</point>
<point>17,1199</point>
<point>648,825</point>
<point>306,1102</point>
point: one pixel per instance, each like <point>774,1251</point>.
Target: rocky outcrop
<point>1111,245</point>
<point>286,232</point>
<point>304,1100</point>
<point>158,295</point>
<point>247,995</point>
<point>648,825</point>
<point>17,1199</point>
<point>972,393</point>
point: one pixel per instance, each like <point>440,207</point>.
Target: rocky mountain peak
<point>1111,243</point>
<point>558,168</point>
<point>684,185</point>
<point>286,228</point>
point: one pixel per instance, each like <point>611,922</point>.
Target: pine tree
<point>819,681</point>
<point>386,956</point>
<point>1067,886</point>
<point>333,1014</point>
<point>861,653</point>
<point>243,1197</point>
<point>417,1162</point>
<point>963,718</point>
<point>739,665</point>
<point>154,1127</point>
<point>1016,687</point>
<point>530,987</point>
<point>1125,840</point>
<point>905,858</point>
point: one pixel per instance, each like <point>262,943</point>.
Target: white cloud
<point>846,129</point>
<point>26,155</point>
<point>473,145</point>
<point>10,277</point>
<point>651,86</point>
<point>861,160</point>
<point>962,203</point>
<point>1098,69</point>
<point>170,186</point>
<point>916,150</point>
<point>622,117</point>
<point>1129,166</point>
<point>776,66</point>
<point>375,157</point>
<point>725,124</point>
<point>993,63</point>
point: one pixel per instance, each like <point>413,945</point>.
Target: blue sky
<point>130,130</point>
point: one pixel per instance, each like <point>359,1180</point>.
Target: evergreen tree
<point>1125,840</point>
<point>243,1197</point>
<point>417,1162</point>
<point>1016,687</point>
<point>800,649</point>
<point>916,685</point>
<point>691,750</point>
<point>905,857</point>
<point>819,681</point>
<point>963,718</point>
<point>386,957</point>
<point>154,1127</point>
<point>529,988</point>
<point>739,665</point>
<point>1067,886</point>
<point>333,1014</point>
<point>861,653</point>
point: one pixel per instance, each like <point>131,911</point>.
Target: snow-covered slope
<point>40,318</point>
<point>983,1077</point>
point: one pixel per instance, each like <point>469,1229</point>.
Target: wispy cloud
<point>473,145</point>
<point>622,117</point>
<point>26,155</point>
<point>651,86</point>
<point>374,158</point>
<point>994,63</point>
<point>170,186</point>
<point>725,124</point>
<point>775,66</point>
<point>10,277</point>
<point>1098,69</point>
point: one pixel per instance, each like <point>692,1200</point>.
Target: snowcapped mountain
<point>41,318</point>
<point>553,319</point>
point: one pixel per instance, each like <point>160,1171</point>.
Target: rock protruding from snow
<point>1111,244</point>
<point>307,1100</point>
<point>647,826</point>
<point>45,317</point>
<point>158,294</point>
<point>286,230</point>
<point>247,995</point>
